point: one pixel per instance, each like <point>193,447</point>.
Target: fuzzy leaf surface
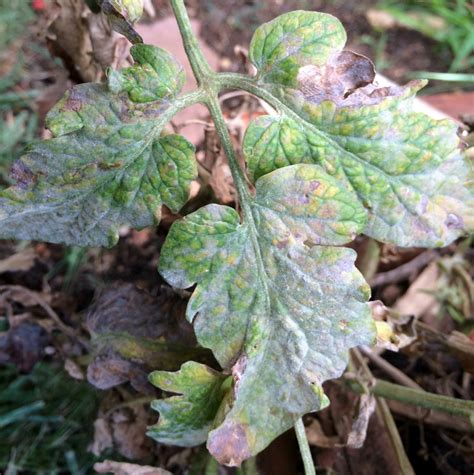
<point>107,165</point>
<point>186,419</point>
<point>278,311</point>
<point>405,167</point>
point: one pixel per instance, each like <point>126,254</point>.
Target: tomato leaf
<point>277,310</point>
<point>405,167</point>
<point>107,165</point>
<point>186,419</point>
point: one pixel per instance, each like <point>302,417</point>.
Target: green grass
<point>14,16</point>
<point>457,34</point>
<point>18,122</point>
<point>46,422</point>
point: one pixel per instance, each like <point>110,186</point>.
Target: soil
<point>226,24</point>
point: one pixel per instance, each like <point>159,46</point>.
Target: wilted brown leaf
<point>122,468</point>
<point>83,40</point>
<point>21,261</point>
<point>23,345</point>
<point>134,332</point>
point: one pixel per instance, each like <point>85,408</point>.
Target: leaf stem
<point>417,397</point>
<point>226,140</point>
<point>304,448</point>
<point>199,64</point>
<point>181,102</point>
<point>249,84</point>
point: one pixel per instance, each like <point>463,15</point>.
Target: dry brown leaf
<point>129,427</point>
<point>73,369</point>
<point>102,437</point>
<point>394,330</point>
<point>134,332</point>
<point>221,181</point>
<point>317,437</point>
<point>21,261</point>
<point>83,40</point>
<point>358,432</point>
<point>122,468</point>
<point>420,299</point>
<point>23,345</point>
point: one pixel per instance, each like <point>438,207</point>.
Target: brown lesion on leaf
<point>346,79</point>
<point>343,324</point>
<point>229,444</point>
<point>453,221</point>
<point>238,370</point>
<point>22,174</point>
<point>109,166</point>
<point>314,185</point>
<point>344,73</point>
<point>75,98</point>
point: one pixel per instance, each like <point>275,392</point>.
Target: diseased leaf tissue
<point>278,300</point>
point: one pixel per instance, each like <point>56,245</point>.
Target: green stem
<point>416,397</point>
<point>226,141</point>
<point>181,102</point>
<point>199,64</point>
<point>304,448</point>
<point>249,84</point>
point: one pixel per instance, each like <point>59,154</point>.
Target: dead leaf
<point>23,345</point>
<point>122,468</point>
<point>21,261</point>
<point>134,332</point>
<point>83,40</point>
<point>102,437</point>
<point>122,427</point>
<point>358,432</point>
<point>129,427</point>
<point>317,437</point>
<point>73,369</point>
<point>420,298</point>
<point>221,181</point>
<point>394,330</point>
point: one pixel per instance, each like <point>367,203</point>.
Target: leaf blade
<point>395,160</point>
<point>186,419</point>
<point>264,298</point>
<point>107,166</point>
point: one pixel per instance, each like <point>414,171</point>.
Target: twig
<point>397,443</point>
<point>39,301</point>
<point>428,416</point>
<point>393,372</point>
<point>416,397</point>
<point>385,416</point>
<point>405,270</point>
<point>70,332</point>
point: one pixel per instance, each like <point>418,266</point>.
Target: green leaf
<point>405,167</point>
<point>155,76</point>
<point>278,311</point>
<point>107,166</point>
<point>185,420</point>
<point>280,47</point>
